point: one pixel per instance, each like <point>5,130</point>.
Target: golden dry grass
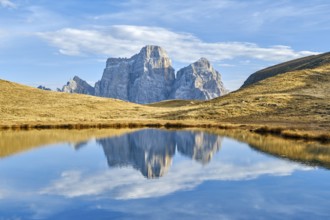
<point>297,101</point>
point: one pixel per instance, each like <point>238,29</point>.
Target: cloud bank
<point>7,4</point>
<point>126,40</point>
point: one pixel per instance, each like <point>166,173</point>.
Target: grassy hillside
<point>297,64</point>
<point>290,99</point>
<point>293,100</point>
<point>23,104</point>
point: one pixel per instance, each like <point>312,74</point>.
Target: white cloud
<point>126,183</point>
<point>7,4</point>
<point>125,40</point>
<point>168,11</point>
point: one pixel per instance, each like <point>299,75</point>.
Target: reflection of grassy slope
<point>13,142</point>
<point>306,152</point>
<point>298,99</point>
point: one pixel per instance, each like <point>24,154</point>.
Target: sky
<point>49,42</point>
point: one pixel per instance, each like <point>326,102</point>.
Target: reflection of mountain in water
<point>199,146</point>
<point>151,151</point>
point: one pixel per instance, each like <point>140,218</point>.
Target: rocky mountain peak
<point>149,77</point>
<point>153,52</point>
<point>203,62</point>
<point>77,85</point>
<point>144,78</point>
<point>201,65</point>
<point>198,80</point>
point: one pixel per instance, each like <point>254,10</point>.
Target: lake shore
<point>287,130</point>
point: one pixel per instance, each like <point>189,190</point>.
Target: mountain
<point>149,77</point>
<point>198,81</point>
<point>292,101</point>
<point>297,64</point>
<point>144,78</point>
<point>77,85</point>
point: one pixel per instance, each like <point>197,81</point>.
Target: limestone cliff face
<point>116,79</point>
<point>144,78</point>
<point>198,81</point>
<point>77,85</point>
<point>149,77</point>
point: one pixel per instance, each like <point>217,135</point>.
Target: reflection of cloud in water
<point>2,193</point>
<point>127,184</point>
<point>151,151</point>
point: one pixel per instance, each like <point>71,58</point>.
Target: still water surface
<point>161,174</point>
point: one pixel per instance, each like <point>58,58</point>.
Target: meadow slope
<point>297,100</point>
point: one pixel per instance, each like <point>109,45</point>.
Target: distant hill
<point>297,64</point>
<point>43,88</point>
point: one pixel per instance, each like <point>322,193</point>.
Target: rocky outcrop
<point>44,88</point>
<point>198,81</point>
<point>144,78</point>
<point>115,80</point>
<point>149,77</point>
<point>77,85</point>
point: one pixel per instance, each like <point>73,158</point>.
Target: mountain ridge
<point>295,104</point>
<point>149,77</point>
<point>308,62</point>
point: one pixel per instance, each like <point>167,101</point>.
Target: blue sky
<point>48,42</point>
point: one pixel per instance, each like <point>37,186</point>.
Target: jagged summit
<point>153,51</point>
<point>77,85</point>
<point>198,80</point>
<point>149,77</point>
<point>144,78</point>
<point>203,60</point>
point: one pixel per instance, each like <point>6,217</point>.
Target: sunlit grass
<point>295,102</point>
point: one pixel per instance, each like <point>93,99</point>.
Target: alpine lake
<point>161,174</point>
